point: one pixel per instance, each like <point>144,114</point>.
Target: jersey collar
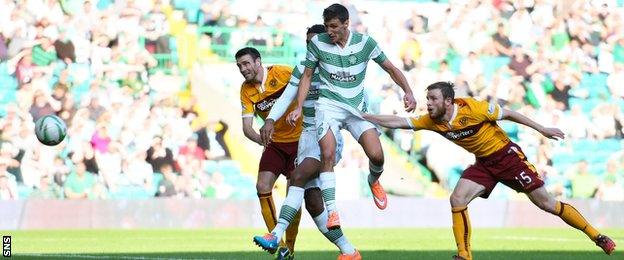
<point>264,78</point>
<point>455,108</point>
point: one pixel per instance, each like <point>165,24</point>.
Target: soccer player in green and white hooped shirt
<point>303,182</point>
<point>341,57</point>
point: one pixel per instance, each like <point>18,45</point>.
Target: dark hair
<point>247,51</point>
<point>317,28</point>
<point>445,87</point>
<point>336,11</point>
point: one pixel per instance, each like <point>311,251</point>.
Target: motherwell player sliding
<point>471,124</point>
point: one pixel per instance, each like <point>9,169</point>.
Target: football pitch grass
<point>381,243</point>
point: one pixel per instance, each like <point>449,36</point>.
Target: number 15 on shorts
<point>524,179</point>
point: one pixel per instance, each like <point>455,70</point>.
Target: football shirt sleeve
<point>246,104</point>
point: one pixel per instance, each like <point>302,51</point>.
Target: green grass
<point>393,244</point>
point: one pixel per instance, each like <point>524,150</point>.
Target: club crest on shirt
<point>463,121</point>
<point>352,59</point>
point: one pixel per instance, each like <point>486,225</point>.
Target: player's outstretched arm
<point>397,76</point>
<point>249,131</point>
<point>552,133</point>
<point>302,93</point>
<point>389,121</point>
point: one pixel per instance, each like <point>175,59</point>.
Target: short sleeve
<point>246,104</point>
<point>312,56</point>
<point>490,111</point>
<point>296,75</point>
<point>376,54</point>
<point>419,122</point>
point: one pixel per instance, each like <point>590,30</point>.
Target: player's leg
<point>289,155</point>
<point>369,139</point>
<point>314,206</point>
<point>541,198</point>
<point>307,169</point>
<point>327,177</point>
<point>264,187</point>
<point>523,177</point>
<point>475,182</point>
<point>465,191</point>
<point>269,169</point>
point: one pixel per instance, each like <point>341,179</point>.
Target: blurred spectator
<point>80,183</point>
<point>502,44</point>
<point>47,189</point>
<point>583,183</point>
<point>158,155</point>
<point>64,47</point>
<point>43,105</point>
<point>168,185</point>
<point>612,186</point>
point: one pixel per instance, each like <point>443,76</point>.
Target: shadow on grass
<point>377,254</point>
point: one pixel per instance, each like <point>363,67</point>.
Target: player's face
<point>337,30</point>
<point>436,104</point>
<point>248,67</point>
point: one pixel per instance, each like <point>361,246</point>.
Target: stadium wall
<point>208,213</point>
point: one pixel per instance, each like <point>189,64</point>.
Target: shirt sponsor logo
<point>462,133</point>
<point>342,77</point>
<point>265,105</point>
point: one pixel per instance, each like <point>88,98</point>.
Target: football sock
<point>573,218</point>
<point>375,172</point>
<point>335,236</point>
<point>328,189</point>
<point>461,231</point>
<point>267,207</point>
<point>290,215</point>
<point>291,232</point>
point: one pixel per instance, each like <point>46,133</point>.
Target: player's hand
<point>553,133</point>
<point>409,102</point>
<point>266,132</point>
<point>294,116</point>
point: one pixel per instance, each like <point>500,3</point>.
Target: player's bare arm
<point>389,121</point>
<point>249,131</point>
<point>551,133</point>
<point>397,76</point>
<point>302,93</point>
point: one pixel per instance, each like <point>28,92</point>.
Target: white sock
<point>341,241</point>
<point>291,206</point>
<point>328,189</point>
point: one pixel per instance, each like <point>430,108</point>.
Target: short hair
<point>251,51</point>
<point>336,11</point>
<point>447,89</point>
<point>317,28</point>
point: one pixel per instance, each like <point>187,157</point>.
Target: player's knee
<point>262,187</point>
<point>313,201</point>
<point>458,200</point>
<point>376,158</point>
<point>297,179</point>
<point>328,156</point>
<point>546,204</point>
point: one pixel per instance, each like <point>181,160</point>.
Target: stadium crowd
<point>86,63</point>
<point>562,62</point>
